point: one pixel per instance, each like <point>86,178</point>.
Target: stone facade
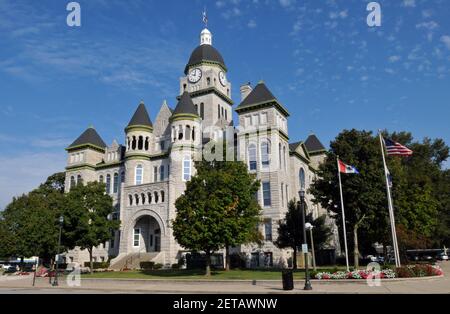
<point>148,173</point>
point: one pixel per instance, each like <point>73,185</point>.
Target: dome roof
<point>205,53</point>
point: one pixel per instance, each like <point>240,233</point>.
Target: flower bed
<point>401,272</point>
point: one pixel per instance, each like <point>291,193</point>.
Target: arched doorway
<point>146,235</point>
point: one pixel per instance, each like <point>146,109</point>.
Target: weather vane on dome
<point>205,17</point>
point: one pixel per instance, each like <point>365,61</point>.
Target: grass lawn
<point>235,274</point>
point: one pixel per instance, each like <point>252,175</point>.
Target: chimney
<point>245,90</point>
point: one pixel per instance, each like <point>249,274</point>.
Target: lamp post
<point>305,244</point>
<point>310,228</point>
<point>61,221</point>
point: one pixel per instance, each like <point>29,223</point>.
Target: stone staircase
<point>133,260</point>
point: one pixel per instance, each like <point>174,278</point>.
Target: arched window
<point>196,108</point>
<point>284,158</point>
<point>116,183</point>
<point>149,196</point>
<point>122,177</point>
<point>302,179</point>
<point>133,143</point>
<point>108,184</point>
<point>279,155</point>
<point>208,81</point>
<point>136,197</point>
<point>139,174</point>
<point>156,198</point>
<point>101,179</point>
<point>79,179</point>
<point>161,173</point>
<point>162,196</point>
<point>265,154</point>
<point>130,199</point>
<point>146,143</point>
<point>187,168</point>
<point>72,182</point>
<point>218,111</point>
<point>180,132</point>
<point>141,143</point>
<point>128,143</point>
<point>187,133</point>
<point>193,133</point>
<point>143,198</point>
<point>202,111</point>
<point>252,157</point>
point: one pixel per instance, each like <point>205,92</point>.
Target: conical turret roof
<point>185,106</point>
<point>89,137</point>
<point>141,117</point>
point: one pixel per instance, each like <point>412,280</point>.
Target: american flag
<point>396,149</point>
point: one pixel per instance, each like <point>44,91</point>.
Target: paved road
<point>89,286</point>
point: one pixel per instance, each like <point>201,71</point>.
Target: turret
<point>185,123</point>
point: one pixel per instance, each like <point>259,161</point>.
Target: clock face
<point>195,75</point>
<point>222,78</point>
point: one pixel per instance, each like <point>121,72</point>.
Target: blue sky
<point>318,57</point>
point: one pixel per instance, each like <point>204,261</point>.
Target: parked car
<point>443,257</point>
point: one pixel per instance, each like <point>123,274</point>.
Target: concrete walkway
<point>422,285</point>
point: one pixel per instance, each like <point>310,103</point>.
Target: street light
<point>310,228</point>
<point>61,221</point>
<point>305,245</point>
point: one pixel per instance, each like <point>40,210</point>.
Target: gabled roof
<point>261,96</point>
<point>141,117</point>
<point>313,144</point>
<point>293,146</point>
<point>89,137</point>
<point>185,106</point>
<point>258,95</point>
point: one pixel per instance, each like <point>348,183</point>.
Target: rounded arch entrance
<point>145,232</point>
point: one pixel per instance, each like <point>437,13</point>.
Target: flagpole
<point>343,215</point>
<point>391,209</point>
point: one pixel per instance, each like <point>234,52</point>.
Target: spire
<point>89,137</point>
<point>185,106</point>
<point>140,117</point>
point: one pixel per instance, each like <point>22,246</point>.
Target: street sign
<point>304,248</point>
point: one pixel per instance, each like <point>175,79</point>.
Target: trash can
<point>288,279</point>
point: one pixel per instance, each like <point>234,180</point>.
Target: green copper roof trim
<point>207,62</point>
<point>83,146</point>
<point>264,104</point>
<point>159,156</point>
<point>80,167</point>
<point>184,116</point>
<point>138,128</point>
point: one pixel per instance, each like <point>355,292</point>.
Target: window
<point>252,156</point>
<point>263,118</point>
<point>149,195</point>
<point>180,132</point>
<point>113,236</point>
<point>161,173</point>
<point>186,168</point>
<point>156,197</point>
<point>188,133</point>
<point>248,121</point>
<point>79,179</point>
<point>266,194</point>
<point>163,145</point>
<point>72,181</point>
<point>218,111</point>
<point>279,155</point>
<point>122,176</point>
<point>282,194</point>
<point>143,198</point>
<point>268,230</point>
<point>116,183</point>
<point>130,200</point>
<point>255,119</point>
<point>101,179</point>
<point>155,174</point>
<point>302,179</point>
<point>139,174</point>
<point>108,184</point>
<point>162,196</point>
<point>137,237</point>
<point>226,115</point>
<point>265,154</point>
<point>141,143</point>
<point>168,171</point>
<point>202,111</point>
<point>287,196</point>
<point>284,158</point>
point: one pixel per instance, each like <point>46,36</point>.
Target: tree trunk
<point>355,247</point>
<point>294,258</point>
<point>208,264</point>
<point>91,262</point>
<point>227,258</point>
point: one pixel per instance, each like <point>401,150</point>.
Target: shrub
<point>147,265</point>
<point>176,266</point>
<point>97,265</point>
<point>157,266</point>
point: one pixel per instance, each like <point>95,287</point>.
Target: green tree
<point>290,230</point>
<point>87,217</point>
<point>29,223</point>
<point>218,208</point>
<point>321,231</point>
<point>364,193</point>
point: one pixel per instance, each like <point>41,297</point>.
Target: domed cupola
<point>205,53</point>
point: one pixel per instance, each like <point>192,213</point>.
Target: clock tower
<point>206,82</point>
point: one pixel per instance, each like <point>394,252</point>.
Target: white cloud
<point>409,3</point>
<point>446,40</point>
<point>286,3</point>
<point>394,58</point>
<point>252,24</point>
<point>431,25</point>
